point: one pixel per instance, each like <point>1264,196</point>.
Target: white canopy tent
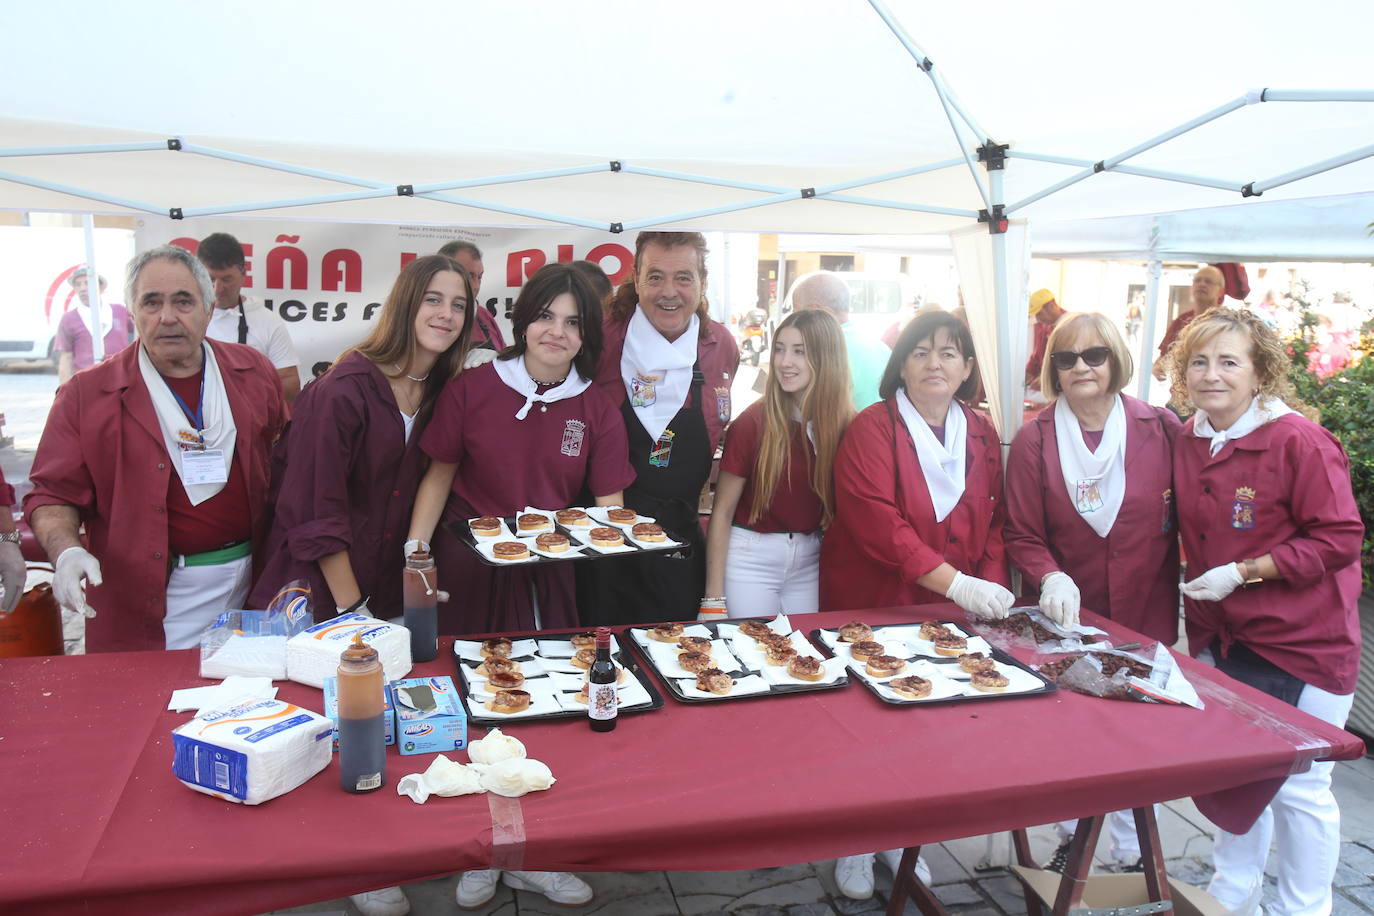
<point>621,115</point>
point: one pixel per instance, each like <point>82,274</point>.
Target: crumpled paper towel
<point>444,777</point>
<point>516,776</point>
<point>495,747</point>
<point>232,688</point>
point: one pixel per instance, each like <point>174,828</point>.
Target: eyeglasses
<point>1064,360</point>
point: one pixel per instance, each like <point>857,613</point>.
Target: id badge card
<point>205,466</point>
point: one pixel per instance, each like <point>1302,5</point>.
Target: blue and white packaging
<point>251,751</point>
<point>331,709</point>
<point>313,654</point>
<point>423,729</point>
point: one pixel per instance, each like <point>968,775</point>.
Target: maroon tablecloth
<point>95,822</point>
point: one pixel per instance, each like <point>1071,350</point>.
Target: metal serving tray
<point>462,532</point>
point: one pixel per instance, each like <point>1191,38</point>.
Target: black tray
<point>480,715</point>
<point>774,689</point>
<point>1047,686</point>
<point>462,532</point>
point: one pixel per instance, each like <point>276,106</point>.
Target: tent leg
<point>1145,364</point>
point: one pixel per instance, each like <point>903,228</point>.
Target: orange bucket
<point>34,627</point>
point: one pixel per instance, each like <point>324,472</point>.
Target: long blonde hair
<point>826,405</point>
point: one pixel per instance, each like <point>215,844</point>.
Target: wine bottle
<point>602,703</point>
<point>362,730</point>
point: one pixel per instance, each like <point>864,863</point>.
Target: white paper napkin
<point>234,687</point>
<point>940,689</point>
<point>744,686</point>
<point>540,704</point>
<point>832,669</point>
<point>534,532</point>
<point>503,535</point>
<point>471,649</point>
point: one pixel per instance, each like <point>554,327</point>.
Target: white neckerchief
<point>657,372</point>
<point>177,434</point>
<point>512,371</point>
<point>1255,416</point>
<point>942,463</point>
<point>106,318</point>
<point>407,425</point>
<point>1094,479</point>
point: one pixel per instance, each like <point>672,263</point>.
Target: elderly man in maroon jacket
<point>162,453</point>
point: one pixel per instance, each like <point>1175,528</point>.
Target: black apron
<point>658,586</point>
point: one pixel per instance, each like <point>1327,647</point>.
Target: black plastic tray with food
<point>705,662</point>
<point>930,662</point>
<point>536,678</point>
<point>562,535</point>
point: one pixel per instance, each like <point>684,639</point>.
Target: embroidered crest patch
<point>1166,520</point>
<point>573,433</point>
<point>723,404</point>
<point>662,452</point>
<point>1243,509</point>
<point>643,390</point>
<point>1088,495</point>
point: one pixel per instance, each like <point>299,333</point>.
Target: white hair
<point>177,255</point>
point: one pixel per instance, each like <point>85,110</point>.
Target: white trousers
<point>1120,827</point>
<point>1306,823</point>
<point>196,595</point>
<point>769,574</point>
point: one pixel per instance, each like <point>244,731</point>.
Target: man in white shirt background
<point>243,319</point>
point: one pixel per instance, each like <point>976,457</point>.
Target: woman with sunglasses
<point>1090,506</point>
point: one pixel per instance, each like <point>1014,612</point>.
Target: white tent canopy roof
<point>811,95</point>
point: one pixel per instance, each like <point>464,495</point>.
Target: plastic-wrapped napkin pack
<point>313,654</point>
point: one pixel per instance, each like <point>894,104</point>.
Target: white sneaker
<point>476,888</point>
<point>854,876</point>
<point>892,858</point>
<point>386,901</point>
<point>558,886</point>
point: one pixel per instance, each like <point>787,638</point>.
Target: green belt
<point>216,557</point>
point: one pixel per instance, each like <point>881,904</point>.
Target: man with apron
<point>669,367</point>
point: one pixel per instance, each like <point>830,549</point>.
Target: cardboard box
<point>1113,891</point>
<point>331,709</point>
<point>439,728</point>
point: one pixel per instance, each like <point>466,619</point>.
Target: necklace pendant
<point>543,408</point>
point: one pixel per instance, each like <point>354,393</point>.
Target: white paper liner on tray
<point>941,688</point>
<point>1018,681</point>
<point>891,647</point>
<point>503,535</point>
<point>559,648</point>
<point>534,686</point>
<point>744,686</point>
<point>574,550</point>
<point>598,514</point>
<point>653,545</point>
<point>927,648</point>
<point>832,669</point>
<point>566,666</point>
<point>529,667</point>
<point>487,546</point>
<point>567,680</point>
<point>641,634</point>
<point>583,536</point>
<point>540,704</point>
<point>534,532</point>
<point>630,694</point>
<point>664,656</point>
<point>753,656</point>
<point>471,649</point>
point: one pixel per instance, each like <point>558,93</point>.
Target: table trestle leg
<point>906,886</point>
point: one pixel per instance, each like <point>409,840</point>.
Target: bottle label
<point>601,701</point>
<point>369,782</point>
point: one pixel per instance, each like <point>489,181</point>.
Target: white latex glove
<point>1215,584</point>
<point>12,575</point>
<point>479,357</point>
<point>1059,599</point>
<point>979,596</point>
<point>74,567</point>
<point>415,545</point>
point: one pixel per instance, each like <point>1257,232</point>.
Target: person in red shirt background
<point>1273,536</point>
<point>1046,311</point>
<point>73,343</point>
<point>1090,508</point>
<point>775,492</point>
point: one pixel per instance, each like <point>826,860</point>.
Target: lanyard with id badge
<point>198,463</point>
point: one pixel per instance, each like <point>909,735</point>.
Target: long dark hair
<point>547,284</point>
<point>391,342</point>
<point>923,327</point>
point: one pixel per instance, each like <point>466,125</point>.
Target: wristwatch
<point>11,536</point>
<point>1250,572</point>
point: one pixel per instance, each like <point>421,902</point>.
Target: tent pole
<point>83,193</point>
<point>93,289</point>
<point>1259,187</point>
<point>136,147</point>
<point>1010,375</point>
<point>1202,181</point>
<point>1145,365</point>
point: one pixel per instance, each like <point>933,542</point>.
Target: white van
<point>876,301</point>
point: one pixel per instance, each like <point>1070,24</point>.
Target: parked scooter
<point>753,336</point>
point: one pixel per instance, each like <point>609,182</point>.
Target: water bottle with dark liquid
<point>420,596</point>
<point>602,703</point>
<point>362,732</point>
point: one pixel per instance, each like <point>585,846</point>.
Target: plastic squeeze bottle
<point>420,597</point>
<point>362,734</point>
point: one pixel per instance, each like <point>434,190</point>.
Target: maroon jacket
<point>885,535</point>
<point>102,452</point>
<point>344,478</point>
<point>1283,490</point>
<point>1131,575</point>
<point>717,354</point>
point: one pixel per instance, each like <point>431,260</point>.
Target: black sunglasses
<point>1064,360</point>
